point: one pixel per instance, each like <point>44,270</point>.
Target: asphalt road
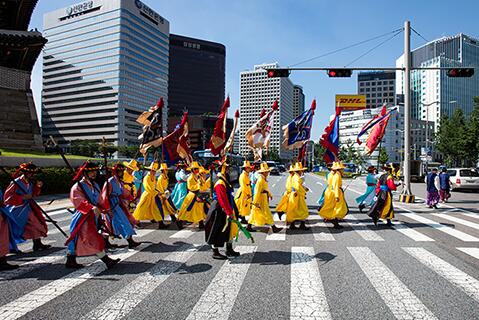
<point>425,267</point>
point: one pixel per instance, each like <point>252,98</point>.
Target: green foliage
<point>55,180</point>
<point>272,155</point>
<point>128,151</point>
<point>319,151</point>
<point>349,154</point>
<point>87,148</point>
<point>383,156</point>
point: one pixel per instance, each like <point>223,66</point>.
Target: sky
<point>291,31</point>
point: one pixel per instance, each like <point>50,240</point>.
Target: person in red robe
<point>25,219</point>
<point>4,238</point>
<point>86,197</point>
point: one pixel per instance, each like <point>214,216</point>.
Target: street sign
<point>349,102</point>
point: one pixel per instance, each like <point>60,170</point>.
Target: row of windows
<point>379,94</point>
<point>142,22</point>
<point>65,94</point>
<point>85,63</point>
<point>80,37</point>
<point>68,52</point>
<point>81,57</point>
<point>95,76</point>
<point>49,122</point>
<point>85,43</point>
<point>376,83</point>
<point>144,32</point>
<point>376,89</point>
<point>102,96</point>
<point>82,71</point>
<point>111,81</point>
<point>79,23</point>
<point>161,53</point>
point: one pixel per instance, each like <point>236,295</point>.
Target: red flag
<point>377,131</point>
<point>218,139</point>
<point>177,144</point>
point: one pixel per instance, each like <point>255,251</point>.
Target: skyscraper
<point>106,61</point>
<point>378,87</point>
<point>433,92</point>
<point>257,91</point>
<point>196,76</point>
<point>298,100</point>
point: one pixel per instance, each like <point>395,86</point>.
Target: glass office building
<point>106,61</point>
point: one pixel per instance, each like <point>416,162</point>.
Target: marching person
<point>118,198</point>
<point>85,240</point>
<point>25,219</point>
<point>326,177</point>
<point>260,213</point>
<point>383,207</point>
<point>4,238</point>
<point>432,189</point>
<point>180,191</point>
<point>367,198</point>
<point>254,175</point>
<point>129,182</point>
<point>164,202</point>
<point>243,195</point>
<point>297,210</point>
<point>219,228</point>
<point>445,185</point>
<point>335,207</point>
<point>282,206</point>
<point>193,209</point>
<point>147,208</point>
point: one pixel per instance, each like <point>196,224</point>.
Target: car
<point>463,178</point>
<point>274,168</point>
<point>281,168</point>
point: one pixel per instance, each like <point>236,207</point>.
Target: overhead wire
<point>420,35</point>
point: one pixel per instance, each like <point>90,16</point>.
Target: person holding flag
<point>261,214</point>
<point>282,206</point>
<point>321,199</point>
<point>367,198</point>
<point>179,191</point>
<point>258,136</point>
<point>4,238</point>
<point>86,197</point>
<point>383,207</point>
<point>243,195</point>
<point>377,128</point>
<point>297,210</point>
<point>192,209</point>
<point>335,207</point>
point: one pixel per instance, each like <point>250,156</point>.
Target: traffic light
<point>275,73</point>
<point>340,73</point>
<point>460,72</point>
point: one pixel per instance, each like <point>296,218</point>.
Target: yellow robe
<point>261,215</point>
<point>147,208</point>
<point>243,195</point>
<point>332,209</point>
<point>129,183</point>
<point>162,187</point>
<point>196,213</point>
<point>297,209</point>
<point>283,203</point>
<point>205,184</point>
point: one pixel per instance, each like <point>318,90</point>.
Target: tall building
<point>106,61</point>
<point>19,49</point>
<point>257,91</point>
<point>298,100</point>
<point>196,76</point>
<point>433,92</point>
<point>378,87</point>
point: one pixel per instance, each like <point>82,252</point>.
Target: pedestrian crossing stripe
<point>473,252</point>
<point>457,220</point>
<point>363,230</point>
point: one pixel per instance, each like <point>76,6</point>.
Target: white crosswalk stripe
<point>363,230</point>
<point>322,235</point>
<point>473,252</point>
<point>183,234</point>
<point>308,298</point>
<point>42,295</point>
<point>450,231</point>
<point>121,303</point>
<point>452,274</point>
<point>399,299</point>
<point>457,220</point>
<point>280,236</point>
<point>410,232</point>
<point>219,297</point>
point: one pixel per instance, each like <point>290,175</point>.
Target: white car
<point>463,178</point>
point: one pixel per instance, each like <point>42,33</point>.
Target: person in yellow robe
<point>205,188</point>
<point>282,206</point>
<point>260,213</point>
<point>297,210</point>
<point>129,181</point>
<point>192,210</point>
<point>335,207</point>
<point>166,206</point>
<point>147,208</point>
<point>244,195</point>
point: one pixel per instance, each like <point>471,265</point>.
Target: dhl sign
<point>351,101</point>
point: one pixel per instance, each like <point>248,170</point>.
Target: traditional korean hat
<point>389,167</point>
<point>194,165</point>
<point>246,164</point>
<point>133,165</point>
<point>263,168</point>
<point>28,167</point>
<point>163,166</point>
<point>88,166</point>
<point>338,165</point>
<point>299,167</point>
<point>119,167</point>
<point>203,170</point>
<point>181,164</point>
<point>153,166</point>
<point>371,168</point>
<point>291,168</point>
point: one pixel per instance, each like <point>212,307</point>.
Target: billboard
<point>349,102</point>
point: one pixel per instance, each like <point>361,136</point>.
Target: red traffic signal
<point>276,73</point>
<point>460,72</point>
<point>340,73</point>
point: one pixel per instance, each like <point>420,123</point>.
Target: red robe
<point>4,231</point>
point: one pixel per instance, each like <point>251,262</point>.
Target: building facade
<point>106,61</point>
<point>379,87</point>
<point>196,76</point>
<point>434,93</point>
<point>257,91</point>
<point>298,100</point>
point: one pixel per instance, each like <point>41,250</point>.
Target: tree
<point>107,148</point>
<point>383,156</point>
<point>128,151</point>
<point>318,152</point>
<point>87,148</point>
<point>273,155</point>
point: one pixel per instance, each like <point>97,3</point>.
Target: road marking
<point>410,232</point>
<point>317,182</point>
<point>473,252</point>
<point>450,231</point>
<point>27,246</point>
<point>123,301</point>
<point>54,289</point>
<point>399,299</point>
<point>322,236</point>
<point>183,234</point>
<point>362,229</point>
<point>219,297</point>
<point>452,274</point>
<point>308,298</point>
<point>280,236</point>
<point>457,220</point>
<point>28,266</point>
<point>274,185</point>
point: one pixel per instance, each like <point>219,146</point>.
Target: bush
<point>55,180</point>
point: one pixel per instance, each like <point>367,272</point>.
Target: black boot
<point>280,214</point>
<point>201,225</point>
<point>132,243</point>
<point>217,255</point>
<point>162,225</point>
<point>389,223</point>
<point>108,244</point>
<point>179,224</point>
<point>292,226</point>
<point>16,251</point>
<point>276,229</point>
<point>250,228</point>
<point>72,262</point>
<point>229,250</point>
<point>361,208</point>
<point>336,224</point>
<point>110,263</point>
<point>302,226</point>
<point>243,220</point>
<point>4,265</point>
<point>173,218</point>
<point>39,246</point>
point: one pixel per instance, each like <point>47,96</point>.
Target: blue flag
<point>298,131</point>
